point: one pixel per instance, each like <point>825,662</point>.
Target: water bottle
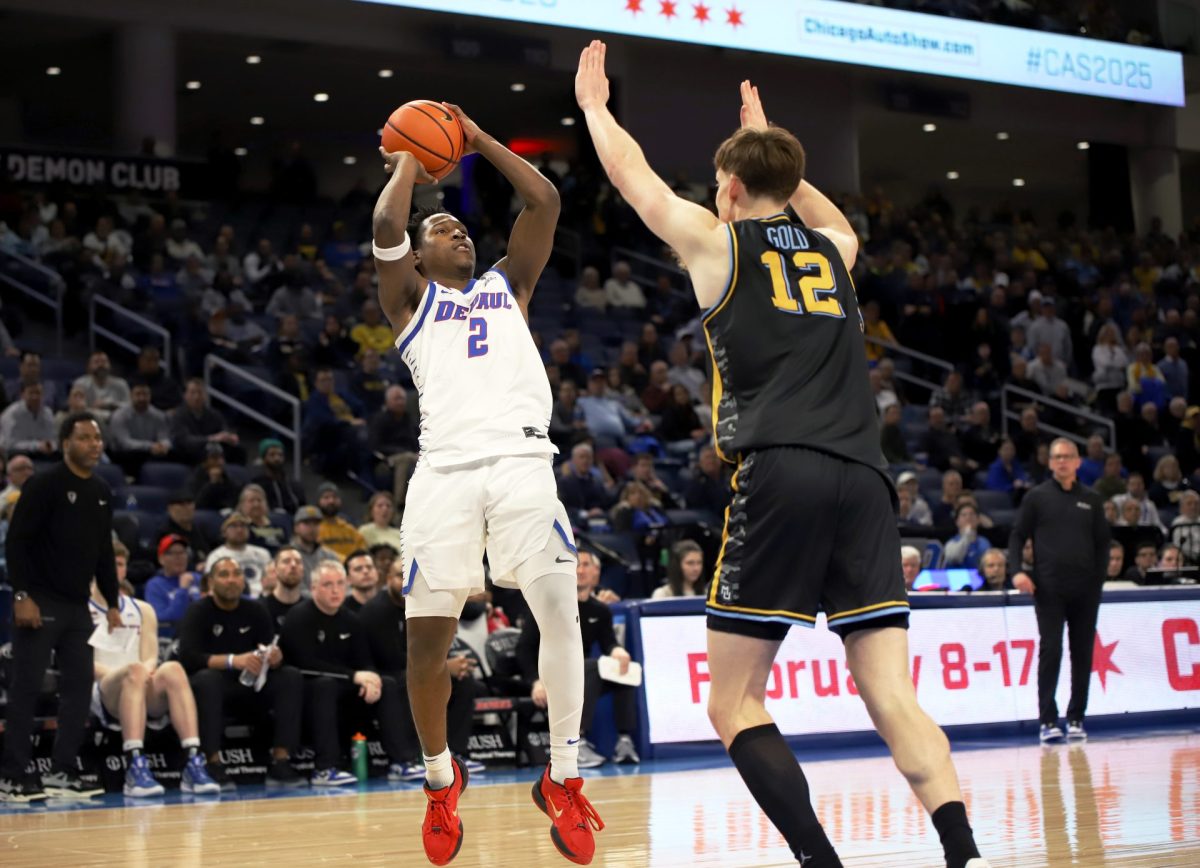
<point>358,756</point>
<point>247,678</point>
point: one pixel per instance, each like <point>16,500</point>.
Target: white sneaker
<point>1075,731</point>
<point>624,752</point>
<point>1050,733</point>
<point>332,778</point>
<point>588,757</point>
<point>978,863</point>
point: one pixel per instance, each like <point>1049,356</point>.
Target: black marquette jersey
<point>789,366</point>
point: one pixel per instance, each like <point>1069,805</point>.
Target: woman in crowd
<point>381,510</point>
<point>685,572</point>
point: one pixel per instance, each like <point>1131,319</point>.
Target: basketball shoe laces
<point>440,819</point>
<point>581,811</point>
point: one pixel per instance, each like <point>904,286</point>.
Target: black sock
<point>958,843</point>
<point>776,781</point>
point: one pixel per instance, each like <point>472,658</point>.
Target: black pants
<point>460,713</point>
<point>216,689</point>
<point>624,699</point>
<point>65,630</point>
<point>1078,612</point>
<point>325,698</point>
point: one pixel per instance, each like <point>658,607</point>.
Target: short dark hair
<point>68,425</point>
<point>416,221</point>
<point>768,162</point>
<point>357,553</point>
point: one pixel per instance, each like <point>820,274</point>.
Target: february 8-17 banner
<point>971,666</point>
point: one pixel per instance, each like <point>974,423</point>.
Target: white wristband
<point>391,254</point>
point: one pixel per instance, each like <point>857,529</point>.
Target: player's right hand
<point>1023,583</point>
<point>591,84</point>
<point>538,694</point>
<point>753,116</point>
<point>27,614</point>
<point>396,159</point>
<point>249,661</point>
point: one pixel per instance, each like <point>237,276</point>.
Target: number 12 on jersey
<point>816,279</point>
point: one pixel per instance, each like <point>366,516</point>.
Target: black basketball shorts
<point>807,532</point>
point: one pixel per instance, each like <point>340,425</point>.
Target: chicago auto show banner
<point>971,666</point>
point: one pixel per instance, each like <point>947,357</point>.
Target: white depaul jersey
<point>131,619</point>
<point>482,385</point>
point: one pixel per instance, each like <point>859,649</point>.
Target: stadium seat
<point>991,501</point>
<point>146,498</point>
<point>113,475</point>
<point>209,523</point>
<point>165,474</point>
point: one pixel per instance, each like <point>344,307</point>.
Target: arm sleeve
<point>1022,530</point>
<point>192,653</point>
<point>28,516</point>
<point>106,566</point>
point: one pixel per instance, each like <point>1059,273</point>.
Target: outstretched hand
<point>591,84</point>
<point>392,161</point>
<point>752,114</point>
<point>469,127</point>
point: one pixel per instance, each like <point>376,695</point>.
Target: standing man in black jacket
<point>60,537</point>
<point>1065,519</point>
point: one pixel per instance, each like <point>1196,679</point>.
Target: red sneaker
<point>442,831</point>
<point>573,815</point>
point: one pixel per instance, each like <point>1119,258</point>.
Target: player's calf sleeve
<point>954,830</point>
<point>777,782</point>
<point>553,602</point>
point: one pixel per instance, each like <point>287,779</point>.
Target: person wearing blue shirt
<point>966,549</point>
<point>1174,369</point>
<point>175,587</point>
<point>1006,473</point>
<point>1092,467</point>
<point>607,421</point>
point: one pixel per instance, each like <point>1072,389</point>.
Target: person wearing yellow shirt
<point>334,532</point>
<point>372,333</point>
<point>875,327</point>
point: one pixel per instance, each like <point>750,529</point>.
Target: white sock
<point>553,602</point>
<point>439,770</point>
<point>131,744</point>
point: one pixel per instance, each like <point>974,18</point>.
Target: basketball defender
<point>794,412</point>
<point>484,480</point>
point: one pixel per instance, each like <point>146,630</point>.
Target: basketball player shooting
<point>794,412</point>
<point>484,479</point>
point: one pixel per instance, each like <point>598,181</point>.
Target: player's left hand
<point>470,128</point>
<point>114,619</point>
<point>622,657</point>
<point>591,84</point>
<point>753,116</point>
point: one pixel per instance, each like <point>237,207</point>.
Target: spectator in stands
<point>195,424</point>
<point>334,348</point>
<point>590,294</point>
<point>1111,513</point>
<point>891,436</point>
<point>682,372</point>
<point>1116,562</point>
<point>221,636</point>
<point>642,470</point>
<point>222,259</point>
<point>952,399</point>
<point>560,358</point>
<point>332,424</point>
<point>1136,491</point>
<point>657,393</point>
<point>165,393</point>
<point>105,241</point>
<point>965,548</point>
<point>306,525</point>
<point>1110,364</point>
<point>1172,422</point>
<point>1170,558</point>
<point>578,355</point>
<point>685,573</point>
<point>17,473</point>
<point>1092,466</point>
<point>289,585</point>
<point>1142,372</point>
<point>1130,512</point>
<point>158,286</point>
<point>920,512</point>
<point>941,445</point>
<point>625,395</point>
<point>368,383</point>
<point>637,511</point>
<point>1169,483</point>
<point>293,297</point>
<point>181,522</point>
<point>1049,329</point>
<point>709,490</point>
<point>381,524</point>
<point>287,341</point>
<point>1185,529</point>
<point>1112,482</point>
<point>266,529</point>
<point>910,565</point>
<point>875,327</point>
<point>993,567</point>
<point>29,370</point>
<point>261,264</point>
<point>174,587</point>
<point>235,534</point>
<point>633,373</point>
<point>282,492</point>
<point>607,420</point>
<point>1019,376</point>
<point>622,291</point>
<point>943,510</point>
<point>372,333</point>
<point>105,391</point>
<point>1006,473</point>
<point>384,555</point>
<point>393,435</point>
<point>211,484</point>
<point>1047,371</point>
<point>979,440</point>
<point>650,349</point>
<point>363,579</point>
<point>1174,369</point>
<point>139,432</point>
<point>584,488</point>
<point>595,619</point>
<point>27,425</point>
<point>335,532</point>
<point>321,636</point>
<point>1029,437</point>
<point>680,427</point>
<point>76,403</point>
<point>181,248</point>
<point>1145,559</point>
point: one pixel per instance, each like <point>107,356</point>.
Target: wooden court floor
<point>1113,802</point>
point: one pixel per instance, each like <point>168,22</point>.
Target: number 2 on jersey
<point>477,342</point>
<point>816,278</point>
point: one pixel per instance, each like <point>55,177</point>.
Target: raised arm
<point>399,283</point>
<point>532,236</point>
<point>694,232</point>
<point>813,206</point>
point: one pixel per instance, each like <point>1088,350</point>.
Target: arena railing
<point>54,284</point>
<point>1008,411</point>
<point>917,361</point>
<point>212,363</point>
<point>96,329</point>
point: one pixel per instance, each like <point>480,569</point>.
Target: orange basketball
<point>429,132</point>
